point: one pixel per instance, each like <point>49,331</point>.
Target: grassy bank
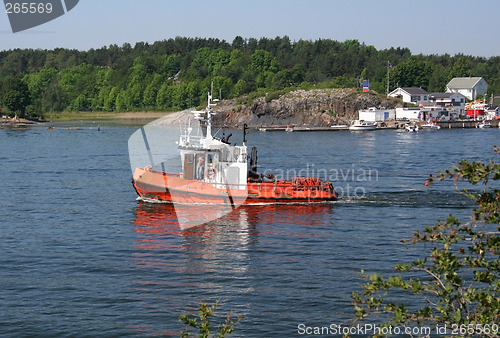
<point>101,116</point>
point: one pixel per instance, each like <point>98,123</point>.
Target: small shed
<point>377,114</point>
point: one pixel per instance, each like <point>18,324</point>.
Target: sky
<point>423,26</point>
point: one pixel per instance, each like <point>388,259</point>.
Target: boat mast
<point>209,117</point>
<point>388,69</point>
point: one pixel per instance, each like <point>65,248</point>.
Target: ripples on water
<point>80,256</point>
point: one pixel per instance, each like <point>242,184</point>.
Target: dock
<point>302,129</point>
<point>384,126</point>
<point>461,124</point>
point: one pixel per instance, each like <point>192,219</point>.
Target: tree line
<point>177,73</point>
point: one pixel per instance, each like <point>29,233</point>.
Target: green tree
<point>289,77</point>
<point>163,100</point>
<point>263,61</point>
<point>54,98</point>
<point>37,84</point>
<point>241,87</point>
<point>121,102</point>
<point>412,73</point>
<point>110,100</point>
<point>151,91</point>
<point>172,65</point>
<point>460,68</point>
<point>16,96</point>
<point>81,103</point>
<point>458,284</point>
<point>79,81</point>
<point>203,324</point>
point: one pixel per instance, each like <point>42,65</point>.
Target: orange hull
<point>168,187</point>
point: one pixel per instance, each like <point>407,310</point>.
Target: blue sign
<point>366,85</point>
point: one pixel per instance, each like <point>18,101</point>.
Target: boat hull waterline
<point>170,187</point>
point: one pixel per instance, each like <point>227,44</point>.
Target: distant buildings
<point>470,87</point>
<point>413,95</point>
<point>452,101</point>
<point>434,106</point>
<point>495,101</point>
<point>457,90</point>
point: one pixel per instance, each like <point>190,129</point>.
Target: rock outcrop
<point>308,108</point>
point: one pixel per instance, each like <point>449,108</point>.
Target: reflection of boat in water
<point>358,125</point>
<point>430,126</point>
<point>163,218</point>
<point>216,172</point>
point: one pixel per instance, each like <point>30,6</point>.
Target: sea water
<point>80,256</point>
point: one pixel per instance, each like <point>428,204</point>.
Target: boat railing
<point>190,140</point>
<point>270,185</point>
<point>296,183</point>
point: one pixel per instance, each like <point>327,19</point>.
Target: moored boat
<point>215,172</point>
<point>483,125</point>
<point>430,126</point>
<point>358,125</point>
<point>411,127</point>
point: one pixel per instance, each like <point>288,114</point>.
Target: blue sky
<point>424,26</point>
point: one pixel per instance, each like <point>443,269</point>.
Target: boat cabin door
<point>212,161</point>
<point>188,173</point>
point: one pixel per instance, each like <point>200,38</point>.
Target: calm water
<point>81,257</point>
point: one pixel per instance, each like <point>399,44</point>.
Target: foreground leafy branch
<point>458,283</point>
<point>203,325</point>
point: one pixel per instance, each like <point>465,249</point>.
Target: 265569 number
<point>477,329</point>
<point>28,8</point>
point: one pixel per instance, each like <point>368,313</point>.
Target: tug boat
<point>215,172</point>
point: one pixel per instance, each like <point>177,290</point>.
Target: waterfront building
<point>470,87</point>
<point>411,95</point>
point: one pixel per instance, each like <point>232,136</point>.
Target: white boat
<point>430,126</point>
<point>357,125</point>
<point>483,125</point>
<point>411,127</point>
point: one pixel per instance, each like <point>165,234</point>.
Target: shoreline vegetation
<point>175,74</point>
<point>103,116</point>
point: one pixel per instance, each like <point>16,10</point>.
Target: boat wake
<point>410,198</point>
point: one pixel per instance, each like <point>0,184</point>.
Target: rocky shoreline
<point>304,108</point>
<point>6,121</point>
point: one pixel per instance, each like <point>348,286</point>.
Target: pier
<point>384,125</point>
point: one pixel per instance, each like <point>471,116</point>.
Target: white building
<point>377,115</point>
<point>447,100</point>
<point>492,113</point>
<point>411,95</point>
<point>470,87</point>
<point>438,113</point>
<point>410,114</point>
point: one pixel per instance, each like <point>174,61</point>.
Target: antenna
<point>245,131</point>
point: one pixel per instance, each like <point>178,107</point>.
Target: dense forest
<point>177,73</point>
